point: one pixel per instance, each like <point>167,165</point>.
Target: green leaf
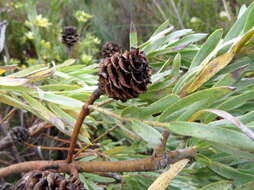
<point>159,105</point>
<point>210,44</point>
<point>210,94</point>
<point>188,40</point>
<point>176,65</point>
<point>27,71</point>
<point>66,63</point>
<point>212,134</point>
<point>98,178</point>
<point>239,25</point>
<point>186,78</point>
<point>61,100</point>
<point>213,67</point>
<point>42,112</point>
<point>162,27</point>
<point>232,103</point>
<point>13,102</point>
<point>147,133</point>
<point>191,109</point>
<point>234,151</point>
<point>231,173</point>
<point>133,36</point>
<point>9,81</point>
<point>221,185</point>
<point>172,37</point>
<point>250,18</point>
<point>165,65</point>
<point>246,186</point>
<point>225,80</point>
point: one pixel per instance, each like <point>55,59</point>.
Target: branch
<point>140,165</point>
<point>160,150</point>
<point>82,115</point>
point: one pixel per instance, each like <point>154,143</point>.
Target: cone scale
<point>125,76</point>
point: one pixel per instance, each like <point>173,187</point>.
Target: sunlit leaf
<point>221,185</point>
<point>147,133</point>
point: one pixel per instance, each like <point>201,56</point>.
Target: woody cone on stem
<point>124,76</point>
<point>121,77</point>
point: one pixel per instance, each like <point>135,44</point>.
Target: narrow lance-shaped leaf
<point>231,103</point>
<point>211,94</point>
<point>235,121</point>
<point>221,185</point>
<point>238,26</point>
<point>209,70</point>
<point>162,27</point>
<point>210,44</point>
<point>159,105</point>
<point>212,134</point>
<point>229,117</point>
<point>163,181</point>
<point>133,36</point>
<point>246,186</point>
<point>147,133</point>
<point>231,173</point>
<point>234,151</point>
<point>176,65</point>
<point>10,81</point>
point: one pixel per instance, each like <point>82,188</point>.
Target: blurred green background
<point>109,20</point>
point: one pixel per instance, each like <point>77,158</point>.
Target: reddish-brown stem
<point>160,150</point>
<point>82,115</point>
<point>141,165</point>
<point>56,138</point>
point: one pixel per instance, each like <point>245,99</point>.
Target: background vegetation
<point>193,75</point>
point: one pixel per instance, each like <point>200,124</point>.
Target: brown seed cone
<point>124,76</point>
<point>109,49</point>
<point>70,36</point>
<point>19,134</point>
<point>38,180</point>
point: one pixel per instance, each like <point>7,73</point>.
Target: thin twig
<point>57,138</point>
<point>82,115</point>
<point>37,128</point>
<point>49,148</point>
<point>105,102</point>
<point>3,162</point>
<point>8,116</point>
<point>94,141</point>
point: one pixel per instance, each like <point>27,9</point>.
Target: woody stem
<point>82,115</point>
